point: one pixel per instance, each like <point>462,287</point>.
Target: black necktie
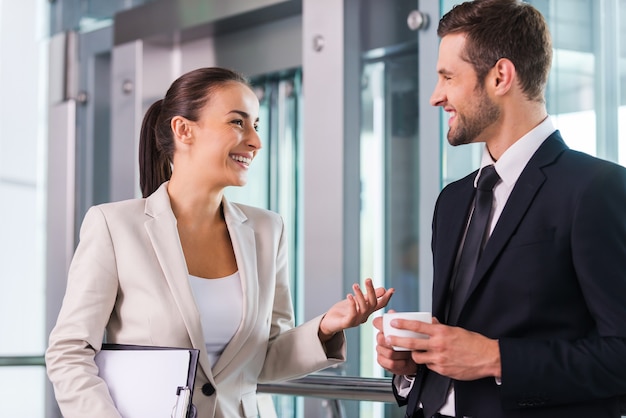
<point>473,244</point>
<point>436,387</point>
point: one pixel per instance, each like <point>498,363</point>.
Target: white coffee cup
<point>413,316</point>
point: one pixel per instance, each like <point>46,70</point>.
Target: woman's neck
<point>193,202</point>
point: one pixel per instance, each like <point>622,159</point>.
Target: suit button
<point>208,389</point>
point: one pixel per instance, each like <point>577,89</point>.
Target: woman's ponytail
<point>154,163</point>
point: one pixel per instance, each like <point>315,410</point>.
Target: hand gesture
<point>354,310</point>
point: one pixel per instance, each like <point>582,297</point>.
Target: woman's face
<point>225,136</point>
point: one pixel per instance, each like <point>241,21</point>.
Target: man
<point>537,326</point>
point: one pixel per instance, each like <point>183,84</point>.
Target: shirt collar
<point>514,159</point>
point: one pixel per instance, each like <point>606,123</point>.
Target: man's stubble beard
<point>470,127</point>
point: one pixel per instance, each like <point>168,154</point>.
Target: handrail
<point>314,385</point>
<point>22,361</point>
<point>334,387</point>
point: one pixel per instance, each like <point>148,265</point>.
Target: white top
<point>220,303</point>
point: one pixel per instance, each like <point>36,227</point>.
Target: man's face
<point>462,96</point>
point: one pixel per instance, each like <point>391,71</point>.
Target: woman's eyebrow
<point>243,114</point>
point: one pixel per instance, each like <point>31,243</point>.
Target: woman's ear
<point>181,127</point>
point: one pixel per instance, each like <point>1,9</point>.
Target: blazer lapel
<point>163,234</point>
<point>526,187</point>
<point>244,245</point>
<point>451,229</point>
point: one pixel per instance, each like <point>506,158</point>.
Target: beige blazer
<point>129,276</point>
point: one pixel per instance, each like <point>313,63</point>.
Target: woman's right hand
<point>354,310</point>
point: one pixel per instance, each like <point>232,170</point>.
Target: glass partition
<point>23,124</point>
<point>389,150</point>
<point>389,171</point>
<point>86,15</point>
<point>17,401</point>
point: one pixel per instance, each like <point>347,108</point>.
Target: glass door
<point>399,162</point>
<point>389,181</point>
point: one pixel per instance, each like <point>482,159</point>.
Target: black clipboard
<point>149,380</point>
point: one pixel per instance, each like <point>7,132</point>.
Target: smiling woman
<point>210,103</point>
<point>160,270</point>
<point>215,150</point>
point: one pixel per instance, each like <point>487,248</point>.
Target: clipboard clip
<point>183,395</point>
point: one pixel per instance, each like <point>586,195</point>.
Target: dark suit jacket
<point>550,286</point>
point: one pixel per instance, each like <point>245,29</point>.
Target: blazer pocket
<point>249,406</point>
<point>533,236</point>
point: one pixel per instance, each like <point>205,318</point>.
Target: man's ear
<point>181,127</point>
<point>502,76</point>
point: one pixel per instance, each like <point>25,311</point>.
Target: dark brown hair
<point>509,29</point>
<point>185,97</point>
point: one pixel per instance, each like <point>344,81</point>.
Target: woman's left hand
<point>354,310</point>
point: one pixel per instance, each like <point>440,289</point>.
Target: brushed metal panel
<point>184,20</point>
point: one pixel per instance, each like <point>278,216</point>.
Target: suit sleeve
<point>295,351</point>
<point>89,299</point>
<point>547,372</point>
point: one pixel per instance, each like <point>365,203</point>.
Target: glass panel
<point>571,86</point>
<point>389,172</point>
<point>388,169</point>
<point>389,190</point>
<point>22,290</point>
<point>22,391</point>
<point>287,200</point>
<point>389,150</point>
<point>86,15</point>
<point>22,152</point>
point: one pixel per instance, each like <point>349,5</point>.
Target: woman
<point>184,267</point>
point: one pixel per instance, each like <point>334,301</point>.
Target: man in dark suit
<point>537,328</point>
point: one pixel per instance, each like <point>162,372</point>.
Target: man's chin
<point>456,141</point>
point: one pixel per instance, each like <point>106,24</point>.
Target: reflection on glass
<point>86,15</point>
<point>389,208</point>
